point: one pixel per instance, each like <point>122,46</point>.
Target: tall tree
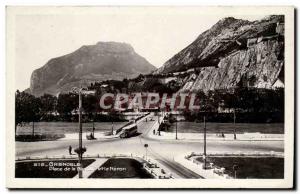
<point>28,109</point>
<point>90,105</point>
<point>48,104</point>
<point>66,103</point>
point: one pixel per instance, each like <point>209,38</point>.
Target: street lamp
<point>112,126</point>
<point>176,127</point>
<point>158,123</point>
<point>234,129</point>
<point>204,148</point>
<point>93,128</point>
<point>80,149</point>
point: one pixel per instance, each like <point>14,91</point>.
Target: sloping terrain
<point>103,61</point>
<point>233,51</point>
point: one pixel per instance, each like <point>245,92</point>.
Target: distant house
<point>166,80</point>
<point>223,109</point>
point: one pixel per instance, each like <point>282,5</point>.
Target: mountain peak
<point>230,52</point>
<point>227,20</point>
<point>115,45</point>
<point>90,63</point>
<point>217,42</point>
<point>108,47</point>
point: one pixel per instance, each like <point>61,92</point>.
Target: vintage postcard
<point>150,97</point>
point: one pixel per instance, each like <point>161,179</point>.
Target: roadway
<point>162,151</point>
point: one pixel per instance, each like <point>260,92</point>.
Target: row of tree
<point>246,100</point>
<point>242,100</point>
<point>29,108</point>
<point>252,104</point>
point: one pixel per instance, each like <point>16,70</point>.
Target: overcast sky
<point>157,37</point>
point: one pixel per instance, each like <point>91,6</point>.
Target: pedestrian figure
<point>70,150</point>
<point>153,131</point>
<point>223,135</point>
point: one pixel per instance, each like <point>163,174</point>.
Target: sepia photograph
<point>150,97</point>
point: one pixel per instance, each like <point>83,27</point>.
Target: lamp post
<point>93,128</point>
<point>112,126</point>
<point>80,149</point>
<point>234,129</point>
<point>204,147</point>
<point>158,124</point>
<point>158,117</point>
<point>176,127</point>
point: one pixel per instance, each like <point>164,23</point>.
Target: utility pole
<point>93,128</point>
<point>80,135</point>
<point>204,147</point>
<point>112,126</point>
<point>158,123</point>
<point>234,129</point>
<point>32,129</point>
<point>80,149</point>
<point>176,127</point>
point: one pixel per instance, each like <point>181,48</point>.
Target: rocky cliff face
<point>257,67</point>
<point>231,52</point>
<point>196,53</point>
<point>103,61</point>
